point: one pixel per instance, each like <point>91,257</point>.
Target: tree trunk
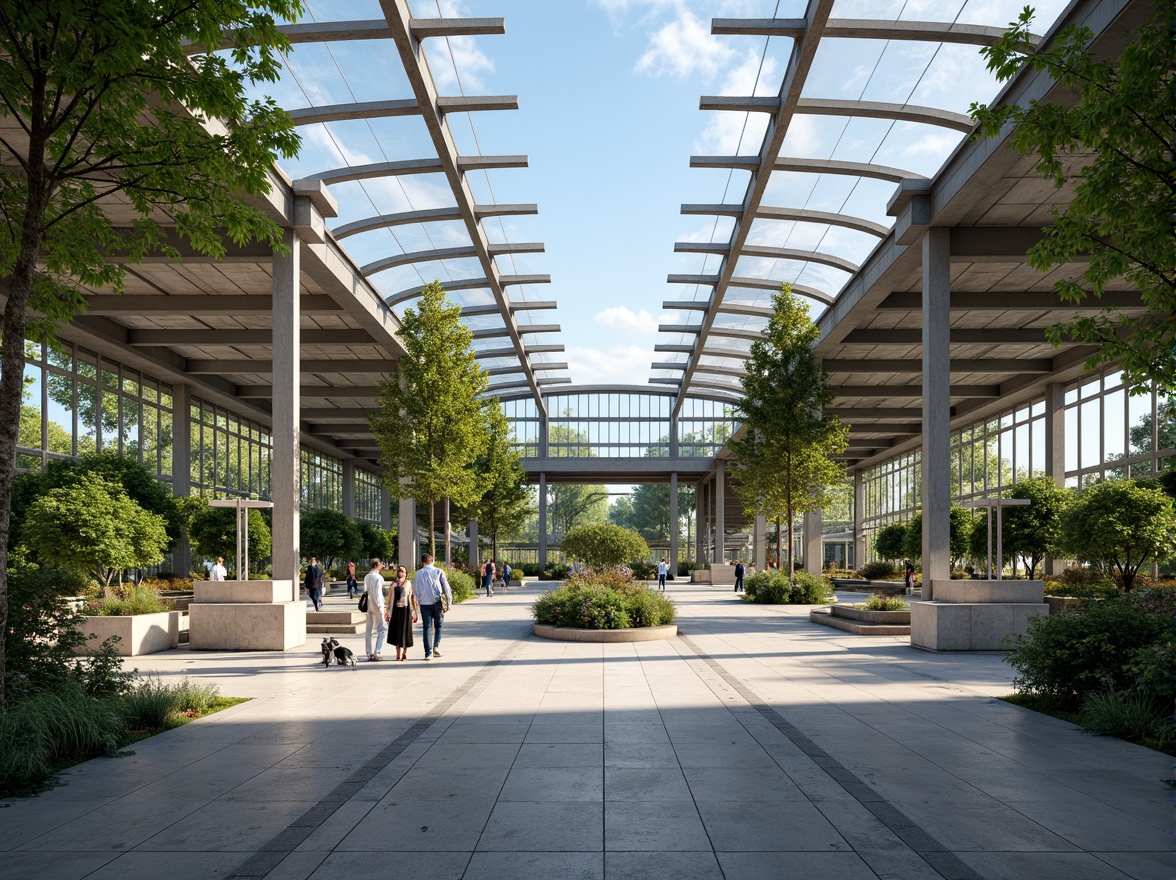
<point>433,527</point>
<point>20,285</point>
<point>493,540</point>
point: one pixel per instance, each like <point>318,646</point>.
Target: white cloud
<point>618,365</point>
<point>457,62</point>
<point>727,132</point>
<point>620,319</point>
<point>683,46</point>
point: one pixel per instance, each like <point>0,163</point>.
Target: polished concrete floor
<point>756,744</point>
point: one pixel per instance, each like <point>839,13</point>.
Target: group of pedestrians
<point>489,572</point>
<point>426,600</point>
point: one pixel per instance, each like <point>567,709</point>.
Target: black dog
<point>331,648</point>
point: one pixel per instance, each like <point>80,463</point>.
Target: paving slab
<point>754,744</point>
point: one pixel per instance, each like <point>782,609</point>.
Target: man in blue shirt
<point>433,593</point>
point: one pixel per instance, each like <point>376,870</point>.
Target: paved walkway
<point>755,745</point>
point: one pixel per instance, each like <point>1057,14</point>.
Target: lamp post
<point>243,506</point>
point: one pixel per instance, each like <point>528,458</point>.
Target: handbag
<point>363,601</point>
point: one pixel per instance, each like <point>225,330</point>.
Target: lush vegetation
<point>878,602</point>
<point>774,588</point>
<point>330,536</point>
<point>461,583</point>
<point>890,542</point>
<point>880,570</point>
<point>506,501</point>
<point>1111,661</point>
<point>213,532</point>
<point>133,599</point>
<point>604,544</point>
<point>603,600</point>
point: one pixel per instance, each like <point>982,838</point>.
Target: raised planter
<point>633,634</point>
<point>1058,604</point>
<point>861,585</point>
<point>137,633</point>
<point>863,622</point>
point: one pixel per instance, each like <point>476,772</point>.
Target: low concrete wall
<point>639,634</point>
<point>276,626</point>
<point>861,615</point>
<point>137,633</point>
<point>956,626</point>
<point>985,591</point>
<point>244,592</point>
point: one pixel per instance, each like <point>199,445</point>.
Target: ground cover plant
<point>606,599</point>
<point>773,588</point>
<point>1109,665</point>
<point>878,602</point>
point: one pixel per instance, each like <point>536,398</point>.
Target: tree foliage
<point>890,542</point>
<point>123,102</point>
<point>431,425</point>
<point>376,543</point>
<point>962,522</point>
<point>505,502</point>
<point>92,525</point>
<point>1119,524</point>
<point>604,544</point>
<point>1033,531</point>
<point>330,536</point>
<point>213,533</point>
<point>1119,222</point>
<point>783,464</point>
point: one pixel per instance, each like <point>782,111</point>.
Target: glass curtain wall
<point>230,455</point>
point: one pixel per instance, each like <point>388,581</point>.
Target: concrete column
<point>859,508</point>
<point>349,489</point>
<point>814,545</point>
<point>720,512</point>
<point>543,438</point>
<point>181,470</point>
<point>285,464</point>
<point>700,524</point>
<point>448,535</point>
<point>936,407</point>
<point>406,534</point>
<point>475,555</point>
<point>543,516</point>
<point>385,509</point>
<point>673,436</point>
<point>1055,450</point>
<point>674,522</point>
<point>759,543</point>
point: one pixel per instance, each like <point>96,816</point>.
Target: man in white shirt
<point>431,588</point>
<point>218,572</point>
<point>373,584</point>
<point>662,571</point>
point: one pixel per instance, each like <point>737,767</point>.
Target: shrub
<point>1081,583</point>
<point>197,697</point>
<point>149,705</point>
<point>643,569</point>
<point>584,607</point>
<point>42,630</point>
<point>136,599</point>
<point>50,727</point>
<point>773,588</point>
<point>1128,714</point>
<point>604,544</point>
<point>560,571</point>
<point>647,608</point>
<point>1064,657</point>
<point>878,571</point>
<point>879,602</point>
<point>890,541</point>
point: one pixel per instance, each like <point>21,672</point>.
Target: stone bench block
<point>244,592</point>
<point>959,626</point>
<point>274,626</point>
<point>137,633</point>
<point>981,591</point>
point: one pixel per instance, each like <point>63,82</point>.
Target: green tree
<point>506,502</point>
<point>962,523</point>
<point>1033,531</point>
<point>213,532</point>
<point>890,542</point>
<point>122,102</point>
<point>646,511</point>
<point>1121,525</point>
<point>92,525</point>
<point>377,543</point>
<point>431,425</point>
<point>603,544</point>
<point>330,536</point>
<point>1119,221</point>
<point>783,464</point>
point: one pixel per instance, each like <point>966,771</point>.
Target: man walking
<point>373,585</point>
<point>739,572</point>
<point>662,571</point>
<point>433,593</point>
<point>218,572</point>
<point>352,583</point>
<point>314,584</point>
<point>505,576</point>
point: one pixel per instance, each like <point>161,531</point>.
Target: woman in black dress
<point>402,613</point>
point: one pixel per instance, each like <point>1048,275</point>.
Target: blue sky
<point>608,93</point>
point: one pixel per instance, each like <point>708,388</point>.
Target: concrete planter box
<point>137,633</point>
<point>636,634</point>
<point>1058,604</point>
<point>860,615</point>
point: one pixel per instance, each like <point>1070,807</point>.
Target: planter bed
<point>633,634</point>
<point>860,585</point>
<point>862,622</point>
<point>138,633</point>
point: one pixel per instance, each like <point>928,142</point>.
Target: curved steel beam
<point>414,166</point>
<point>753,283</point>
<point>722,248</point>
<point>720,371</point>
<point>734,390</point>
<point>800,215</point>
<point>387,221</point>
<point>866,29</point>
<point>453,253</point>
<point>808,166</point>
<point>474,283</point>
<point>829,107</point>
<point>524,329</point>
<point>399,107</point>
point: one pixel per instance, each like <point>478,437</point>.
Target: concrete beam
<point>227,366</point>
<point>912,390</point>
<point>912,336</point>
<point>971,365</point>
<point>199,304</point>
<point>1005,301</point>
<point>167,338</point>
